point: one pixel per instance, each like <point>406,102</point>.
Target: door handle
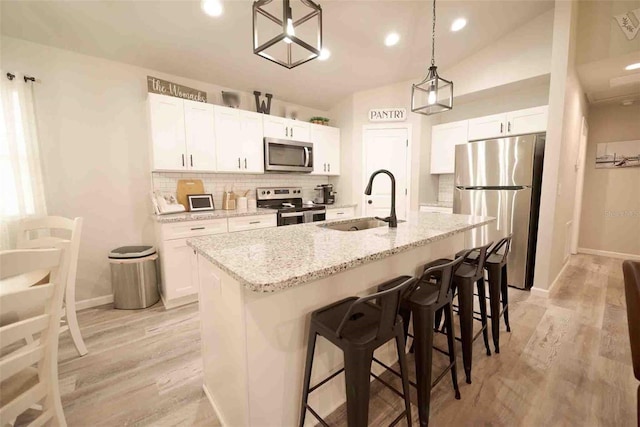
<point>306,156</point>
<point>239,167</point>
<point>183,160</point>
<point>245,162</point>
<point>191,159</point>
<point>370,201</point>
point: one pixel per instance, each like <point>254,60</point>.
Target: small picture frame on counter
<point>200,202</point>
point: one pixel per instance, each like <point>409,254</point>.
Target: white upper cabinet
<point>529,120</point>
<point>200,136</point>
<point>326,150</point>
<point>487,127</point>
<point>444,139</point>
<point>239,144</point>
<point>281,128</point>
<point>166,117</point>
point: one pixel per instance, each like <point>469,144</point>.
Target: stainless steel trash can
<point>134,277</point>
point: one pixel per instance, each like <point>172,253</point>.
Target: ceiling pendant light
<point>287,48</point>
<point>433,94</point>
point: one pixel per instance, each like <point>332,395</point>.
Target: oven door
<point>281,155</point>
<point>313,216</point>
<point>290,218</point>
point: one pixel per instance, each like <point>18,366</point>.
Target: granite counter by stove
<point>257,289</point>
<point>200,216</point>
<point>274,259</point>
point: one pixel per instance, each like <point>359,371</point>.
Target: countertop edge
<point>203,216</point>
<point>328,271</point>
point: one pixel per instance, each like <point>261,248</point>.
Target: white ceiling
<point>177,38</point>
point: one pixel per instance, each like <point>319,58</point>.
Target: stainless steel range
<point>288,202</point>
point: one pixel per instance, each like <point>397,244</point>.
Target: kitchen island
<point>257,289</point>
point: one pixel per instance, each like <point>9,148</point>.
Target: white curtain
<point>21,188</point>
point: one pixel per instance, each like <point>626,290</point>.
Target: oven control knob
<point>263,192</point>
<point>268,192</point>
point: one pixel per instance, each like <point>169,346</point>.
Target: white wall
<point>94,140</point>
<point>567,107</point>
<point>611,204</point>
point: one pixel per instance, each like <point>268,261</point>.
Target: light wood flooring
<point>567,362</point>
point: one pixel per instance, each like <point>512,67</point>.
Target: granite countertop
<point>438,204</point>
<point>274,259</point>
<point>200,216</point>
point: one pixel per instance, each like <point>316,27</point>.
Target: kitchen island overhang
<point>257,289</point>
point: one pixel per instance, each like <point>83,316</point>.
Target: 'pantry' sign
<point>388,115</point>
<point>164,87</point>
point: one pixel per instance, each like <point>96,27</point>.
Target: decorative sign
<point>388,115</point>
<point>629,23</point>
<point>262,107</point>
<point>615,155</point>
<point>164,87</point>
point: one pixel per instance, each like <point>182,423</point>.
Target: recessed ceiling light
<point>627,103</point>
<point>324,54</point>
<point>632,66</point>
<point>212,7</point>
<point>458,24</point>
<point>392,39</point>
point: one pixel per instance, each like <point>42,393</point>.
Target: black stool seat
<point>358,326</point>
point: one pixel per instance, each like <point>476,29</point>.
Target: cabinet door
<point>200,136</point>
<point>177,274</point>
<point>228,140</point>
<point>332,147</point>
<point>166,120</point>
<point>275,127</point>
<point>252,142</point>
<point>444,139</point>
<point>319,139</point>
<point>298,131</point>
<point>530,120</point>
<point>487,127</point>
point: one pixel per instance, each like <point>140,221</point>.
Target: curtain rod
<point>26,78</point>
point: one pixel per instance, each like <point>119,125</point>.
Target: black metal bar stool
<point>358,326</point>
<point>496,266</point>
<point>469,273</point>
<point>430,294</point>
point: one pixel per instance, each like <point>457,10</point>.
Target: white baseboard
<point>94,302</point>
<point>619,255</point>
<point>544,293</point>
<point>178,302</point>
<point>213,404</point>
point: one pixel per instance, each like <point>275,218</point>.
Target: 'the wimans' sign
<point>164,87</point>
<point>388,115</point>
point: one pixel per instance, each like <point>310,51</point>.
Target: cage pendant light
<point>280,49</point>
<point>433,94</point>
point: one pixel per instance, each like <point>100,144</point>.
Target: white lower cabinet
<point>436,209</point>
<point>340,213</point>
<point>178,271</point>
<point>243,223</point>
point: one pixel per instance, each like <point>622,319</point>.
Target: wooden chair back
<point>29,373</point>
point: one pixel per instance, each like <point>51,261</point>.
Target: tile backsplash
<point>217,183</point>
<point>445,188</point>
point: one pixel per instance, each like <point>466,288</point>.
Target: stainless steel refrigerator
<point>502,178</point>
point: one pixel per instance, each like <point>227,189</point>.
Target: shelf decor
<point>287,48</point>
<point>433,94</point>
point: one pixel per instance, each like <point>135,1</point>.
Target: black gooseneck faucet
<point>391,219</point>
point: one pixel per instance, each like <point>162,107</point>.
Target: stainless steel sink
<point>356,224</point>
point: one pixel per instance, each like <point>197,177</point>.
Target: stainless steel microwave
<point>281,155</point>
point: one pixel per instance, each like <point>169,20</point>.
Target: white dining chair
<point>28,237</point>
<point>29,372</point>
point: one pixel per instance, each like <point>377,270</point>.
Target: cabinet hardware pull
<point>501,127</point>
<point>329,168</point>
<point>254,222</point>
<point>197,228</point>
<point>291,132</point>
<point>369,201</point>
<point>245,162</point>
<point>339,213</point>
<point>286,130</point>
<point>191,158</point>
<point>325,167</point>
<point>239,163</point>
<point>509,127</point>
<point>183,160</point>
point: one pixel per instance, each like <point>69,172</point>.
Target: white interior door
<point>386,149</point>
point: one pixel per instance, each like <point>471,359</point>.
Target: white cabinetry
<point>243,223</point>
<point>436,209</point>
<point>279,127</point>
<point>444,139</point>
<point>529,120</point>
<point>340,213</point>
<point>326,150</point>
<point>239,145</point>
<point>182,136</point>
